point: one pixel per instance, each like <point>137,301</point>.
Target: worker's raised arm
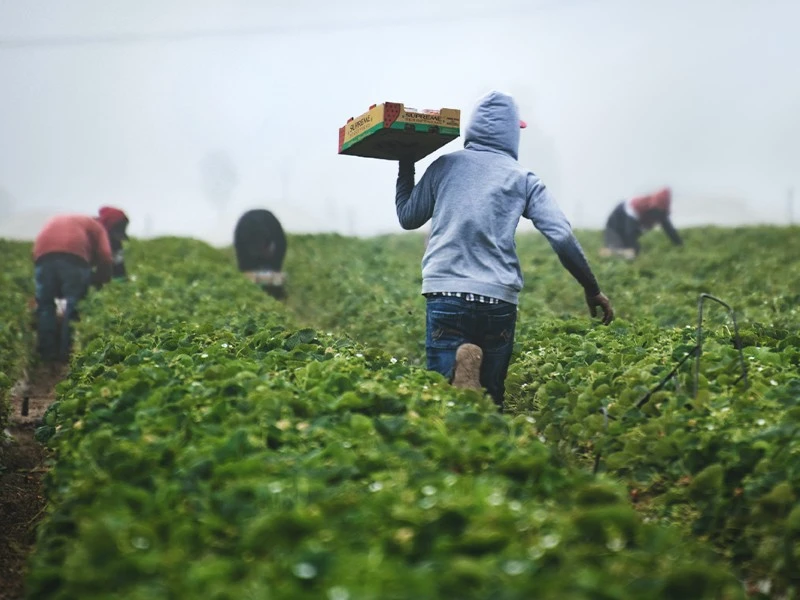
<point>414,202</point>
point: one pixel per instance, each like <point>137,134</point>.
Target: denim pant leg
<point>75,281</point>
<point>447,327</point>
<point>47,290</point>
<point>499,325</point>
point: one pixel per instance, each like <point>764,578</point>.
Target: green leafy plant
<point>206,445</point>
<point>714,466</point>
<point>16,335</point>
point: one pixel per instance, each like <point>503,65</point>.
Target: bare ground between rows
<point>22,468</point>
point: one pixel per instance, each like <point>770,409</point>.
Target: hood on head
<point>111,217</point>
<point>662,199</point>
<point>495,124</point>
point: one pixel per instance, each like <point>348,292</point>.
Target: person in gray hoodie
<point>471,274</point>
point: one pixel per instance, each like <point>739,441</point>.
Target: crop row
<point>724,465</point>
<point>206,447</point>
<point>16,336</point>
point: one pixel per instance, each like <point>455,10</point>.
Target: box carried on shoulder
<point>390,131</point>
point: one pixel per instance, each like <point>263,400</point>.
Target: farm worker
<point>631,218</point>
<point>260,245</point>
<point>115,222</point>
<point>471,274</point>
<point>64,252</point>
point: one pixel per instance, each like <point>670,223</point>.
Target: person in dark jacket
<point>260,244</point>
<point>66,250</point>
<point>631,218</point>
<point>115,222</point>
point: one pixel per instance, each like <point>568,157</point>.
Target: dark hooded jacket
<point>259,241</point>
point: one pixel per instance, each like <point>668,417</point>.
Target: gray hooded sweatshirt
<point>475,198</point>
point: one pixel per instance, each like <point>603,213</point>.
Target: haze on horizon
<point>186,113</point>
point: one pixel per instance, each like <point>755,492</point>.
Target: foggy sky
<point>121,102</point>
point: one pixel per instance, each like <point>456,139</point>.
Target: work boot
<point>467,373</point>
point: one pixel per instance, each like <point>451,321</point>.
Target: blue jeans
<point>451,322</point>
<point>59,276</point>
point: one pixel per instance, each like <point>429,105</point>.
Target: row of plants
<point>16,335</point>
<point>206,447</point>
<point>724,465</point>
<point>752,268</point>
<point>368,289</point>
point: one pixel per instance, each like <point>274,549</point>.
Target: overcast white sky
<point>105,101</point>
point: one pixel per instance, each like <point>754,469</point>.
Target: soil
<point>23,464</point>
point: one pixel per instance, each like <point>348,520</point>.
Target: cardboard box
<point>391,131</point>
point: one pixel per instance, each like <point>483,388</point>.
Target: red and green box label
<point>387,129</point>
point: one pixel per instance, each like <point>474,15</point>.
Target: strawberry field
<point>722,465</point>
<point>212,442</point>
<point>16,336</point>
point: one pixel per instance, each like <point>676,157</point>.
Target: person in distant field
<point>260,244</point>
<point>116,223</point>
<point>631,218</point>
<point>65,251</point>
<point>471,274</point>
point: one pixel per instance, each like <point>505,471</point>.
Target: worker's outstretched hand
<point>603,303</point>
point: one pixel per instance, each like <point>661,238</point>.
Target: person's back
<point>471,273</point>
<point>80,236</point>
<point>260,245</point>
<point>480,194</point>
<point>64,252</point>
<point>259,241</point>
<point>474,220</point>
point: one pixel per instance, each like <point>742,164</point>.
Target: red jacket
<point>80,235</point>
<point>654,208</point>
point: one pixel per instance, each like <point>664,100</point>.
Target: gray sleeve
<point>414,203</point>
<point>547,217</point>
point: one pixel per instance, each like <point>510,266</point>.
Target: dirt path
<point>22,467</point>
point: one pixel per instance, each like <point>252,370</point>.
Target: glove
<point>602,302</point>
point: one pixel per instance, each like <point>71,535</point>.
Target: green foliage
<point>207,447</point>
<point>16,336</point>
<point>709,465</point>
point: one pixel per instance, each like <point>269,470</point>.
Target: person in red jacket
<point>66,250</point>
<point>631,218</point>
